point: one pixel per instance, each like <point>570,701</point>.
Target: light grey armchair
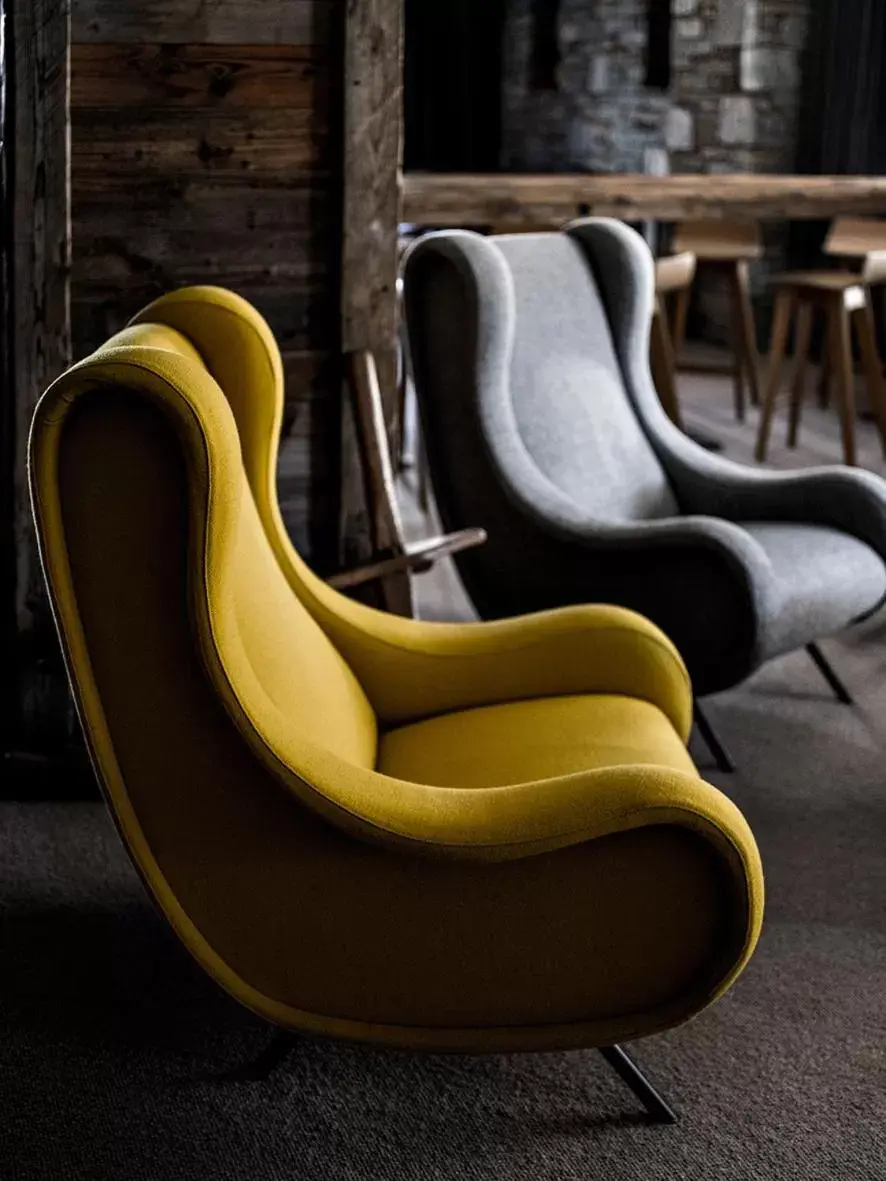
<point>531,362</point>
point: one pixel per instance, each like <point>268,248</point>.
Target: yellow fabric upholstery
<point>533,740</point>
<point>479,837</point>
<point>412,670</point>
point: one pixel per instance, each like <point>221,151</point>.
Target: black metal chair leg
<point>722,757</point>
<point>629,1072</point>
<point>261,1068</point>
<point>826,669</point>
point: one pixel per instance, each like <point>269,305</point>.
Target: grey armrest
<point>704,483</point>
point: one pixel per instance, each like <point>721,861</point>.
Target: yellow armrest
<point>412,670</point>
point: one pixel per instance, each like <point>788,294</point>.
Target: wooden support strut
<point>36,314</point>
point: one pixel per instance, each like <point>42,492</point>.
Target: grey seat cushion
<point>825,580</point>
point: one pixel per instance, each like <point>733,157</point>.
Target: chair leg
<point>866,330</point>
<point>824,377</point>
<point>840,339</point>
<point>781,323</point>
<point>628,1071</point>
<point>745,329</point>
<point>422,474</point>
<point>826,669</point>
<point>722,757</point>
<point>801,356</point>
<point>263,1066</point>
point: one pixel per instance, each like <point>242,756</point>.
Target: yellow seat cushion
<point>525,741</point>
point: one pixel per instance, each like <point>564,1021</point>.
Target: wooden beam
<point>8,622</point>
<point>204,22</point>
<point>184,145</point>
<point>373,133</point>
<point>545,201</point>
<point>38,317</point>
<point>289,77</point>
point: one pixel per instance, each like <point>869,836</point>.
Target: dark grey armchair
<point>531,362</point>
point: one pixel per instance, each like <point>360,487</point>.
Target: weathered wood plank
<point>373,126</point>
<point>284,205</point>
<point>160,254</point>
<point>10,694</point>
<point>39,41</point>
<point>196,217</point>
<point>207,149</point>
<point>137,76</point>
<point>180,145</point>
<point>218,22</point>
<point>302,320</point>
<point>452,200</point>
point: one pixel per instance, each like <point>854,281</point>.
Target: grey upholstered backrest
<point>570,405</point>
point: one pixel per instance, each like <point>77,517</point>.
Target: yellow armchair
<point>484,837</point>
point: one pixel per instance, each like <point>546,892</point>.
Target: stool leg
<point>664,364</point>
<point>802,340</point>
<point>681,315</point>
<point>824,379</point>
<point>735,337</point>
<point>781,323</point>
<point>863,319</point>
<point>745,328</point>
<point>840,337</point>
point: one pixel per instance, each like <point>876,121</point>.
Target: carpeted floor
<point>108,1029</point>
<point>112,1040</point>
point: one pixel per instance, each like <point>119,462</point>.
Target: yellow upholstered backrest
<point>240,352</point>
<point>290,664</point>
<point>389,654</point>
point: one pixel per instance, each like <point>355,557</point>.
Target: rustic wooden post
<point>36,344</point>
<point>373,150</point>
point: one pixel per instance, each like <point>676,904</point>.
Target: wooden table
<point>441,199</point>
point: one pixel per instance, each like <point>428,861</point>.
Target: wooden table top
<point>443,199</point>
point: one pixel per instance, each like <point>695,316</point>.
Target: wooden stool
<point>673,284</point>
<point>845,299</point>
<point>728,247</point>
<point>856,241</point>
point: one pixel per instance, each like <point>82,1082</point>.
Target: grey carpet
<point>109,1031</point>
<point>111,1036</point>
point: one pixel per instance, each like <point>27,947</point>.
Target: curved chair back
<point>133,453</point>
<point>524,398</point>
<point>104,439</point>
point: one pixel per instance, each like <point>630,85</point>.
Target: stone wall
<point>736,86</point>
<point>601,117</point>
<point>732,104</point>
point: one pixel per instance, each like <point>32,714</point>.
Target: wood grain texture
<point>372,161</point>
<point>215,76</point>
<point>9,680</point>
<point>41,311</point>
<point>163,254</point>
<point>272,145</point>
<point>302,320</point>
<point>207,22</point>
<point>546,201</point>
<point>192,205</point>
<point>385,537</point>
<point>207,149</point>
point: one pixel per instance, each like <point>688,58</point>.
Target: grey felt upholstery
<point>541,422</point>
